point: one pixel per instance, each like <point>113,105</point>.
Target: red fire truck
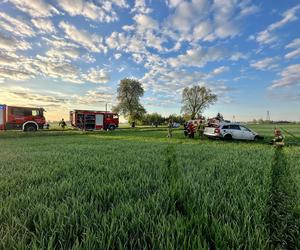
<point>21,118</point>
<point>94,120</point>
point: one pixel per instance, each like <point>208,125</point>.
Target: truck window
<point>35,113</point>
<point>225,127</point>
<point>116,116</point>
<point>21,111</point>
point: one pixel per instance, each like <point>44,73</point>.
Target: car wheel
<point>30,128</point>
<point>112,127</point>
<point>257,138</point>
<point>228,137</point>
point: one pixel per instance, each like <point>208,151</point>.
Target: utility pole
<point>268,116</point>
<point>106,107</point>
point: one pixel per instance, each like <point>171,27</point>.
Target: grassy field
<point>137,189</point>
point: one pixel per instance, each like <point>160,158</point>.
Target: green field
<point>137,189</point>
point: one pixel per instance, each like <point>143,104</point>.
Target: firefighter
<point>170,128</point>
<point>278,137</point>
<point>62,123</point>
<point>201,128</point>
<point>191,130</point>
<point>185,129</point>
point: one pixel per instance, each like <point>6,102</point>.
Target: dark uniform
<point>62,123</point>
<point>170,127</point>
<point>201,129</point>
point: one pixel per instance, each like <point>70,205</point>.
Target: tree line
<point>195,100</point>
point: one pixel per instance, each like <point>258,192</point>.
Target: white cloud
<point>290,76</point>
<point>87,58</point>
<point>295,44</point>
<point>44,25</point>
<point>202,30</point>
<point>141,7</point>
<point>15,26</point>
<point>13,74</point>
<point>265,64</point>
<point>249,10</point>
<point>51,68</point>
<point>103,12</point>
<point>238,56</point>
<point>35,8</point>
<point>96,75</point>
<point>10,43</point>
<point>219,19</point>
<point>220,70</point>
<point>173,3</point>
<point>117,55</point>
<point>62,53</point>
<point>266,36</point>
<point>91,42</point>
<point>197,57</point>
<point>293,54</point>
<point>225,25</point>
<point>145,22</point>
<point>58,42</point>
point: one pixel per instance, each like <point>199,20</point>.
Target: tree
<point>220,117</point>
<point>129,93</point>
<point>196,99</point>
<point>154,118</point>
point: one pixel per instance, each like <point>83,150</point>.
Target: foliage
<point>219,117</point>
<point>129,93</point>
<point>154,118</point>
<point>196,99</point>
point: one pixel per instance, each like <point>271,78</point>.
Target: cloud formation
<point>266,36</point>
<point>289,76</point>
<point>35,8</point>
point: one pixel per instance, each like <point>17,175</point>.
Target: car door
<point>235,132</point>
<point>247,133</point>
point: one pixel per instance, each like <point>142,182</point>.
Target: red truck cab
<point>21,118</point>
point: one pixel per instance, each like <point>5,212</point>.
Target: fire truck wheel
<point>30,128</point>
<point>112,127</point>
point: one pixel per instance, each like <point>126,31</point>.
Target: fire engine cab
<point>94,120</point>
<point>21,118</point>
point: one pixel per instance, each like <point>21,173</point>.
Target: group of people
<point>191,128</point>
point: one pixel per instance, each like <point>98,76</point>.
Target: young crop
<point>136,190</point>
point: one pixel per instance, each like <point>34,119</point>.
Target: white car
<point>229,131</point>
<point>176,125</point>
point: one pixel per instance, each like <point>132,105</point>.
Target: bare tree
<point>196,99</point>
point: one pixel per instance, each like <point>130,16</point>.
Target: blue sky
<point>66,54</point>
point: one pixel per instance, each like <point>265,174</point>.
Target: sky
<point>71,54</point>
